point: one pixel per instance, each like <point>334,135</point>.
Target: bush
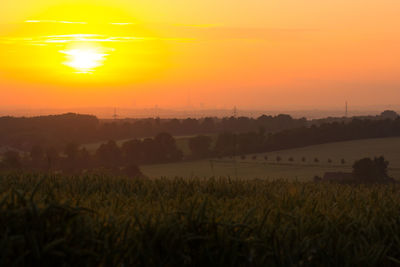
<point>369,170</point>
<point>132,170</point>
<point>200,146</point>
<point>317,178</point>
<point>11,160</point>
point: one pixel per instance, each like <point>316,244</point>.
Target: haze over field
<point>205,54</point>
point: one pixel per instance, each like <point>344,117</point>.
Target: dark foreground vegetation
<point>111,221</point>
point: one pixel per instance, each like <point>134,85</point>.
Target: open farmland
<point>113,221</point>
<point>256,165</point>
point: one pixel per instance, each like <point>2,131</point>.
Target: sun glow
<point>84,60</point>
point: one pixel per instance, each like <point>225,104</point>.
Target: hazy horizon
<point>121,112</point>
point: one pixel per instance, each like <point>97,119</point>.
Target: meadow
<point>256,166</point>
<point>116,221</point>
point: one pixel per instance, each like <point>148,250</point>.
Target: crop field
<point>116,221</point>
<point>291,166</point>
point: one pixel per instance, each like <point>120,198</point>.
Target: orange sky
<point>174,54</point>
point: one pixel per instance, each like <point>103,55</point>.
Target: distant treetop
<point>389,114</point>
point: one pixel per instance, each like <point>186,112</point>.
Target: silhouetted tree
<point>84,159</point>
<point>151,153</point>
<point>37,155</point>
<point>168,151</point>
<point>173,125</point>
<point>389,114</point>
<point>109,155</point>
<point>371,170</point>
<point>225,144</point>
<point>208,125</point>
<point>133,151</point>
<point>248,142</point>
<point>132,170</point>
<point>200,146</point>
<point>317,179</point>
<point>52,157</point>
<point>11,160</point>
<point>190,126</point>
<point>71,150</point>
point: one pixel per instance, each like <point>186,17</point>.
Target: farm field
<point>112,221</point>
<point>256,165</point>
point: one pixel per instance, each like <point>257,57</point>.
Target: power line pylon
<point>115,115</point>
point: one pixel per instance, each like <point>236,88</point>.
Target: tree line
<point>108,157</point>
<point>231,144</point>
<point>58,130</point>
<point>163,148</point>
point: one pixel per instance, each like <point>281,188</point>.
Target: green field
<point>270,168</point>
<point>114,221</point>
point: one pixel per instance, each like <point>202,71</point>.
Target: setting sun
<point>84,60</point>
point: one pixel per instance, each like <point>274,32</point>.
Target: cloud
<point>82,38</point>
<point>218,32</point>
<point>165,32</point>
<point>55,21</point>
<point>122,23</point>
<point>197,25</point>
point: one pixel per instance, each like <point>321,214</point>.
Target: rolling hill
<point>256,166</point>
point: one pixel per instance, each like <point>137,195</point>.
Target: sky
<point>253,54</point>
